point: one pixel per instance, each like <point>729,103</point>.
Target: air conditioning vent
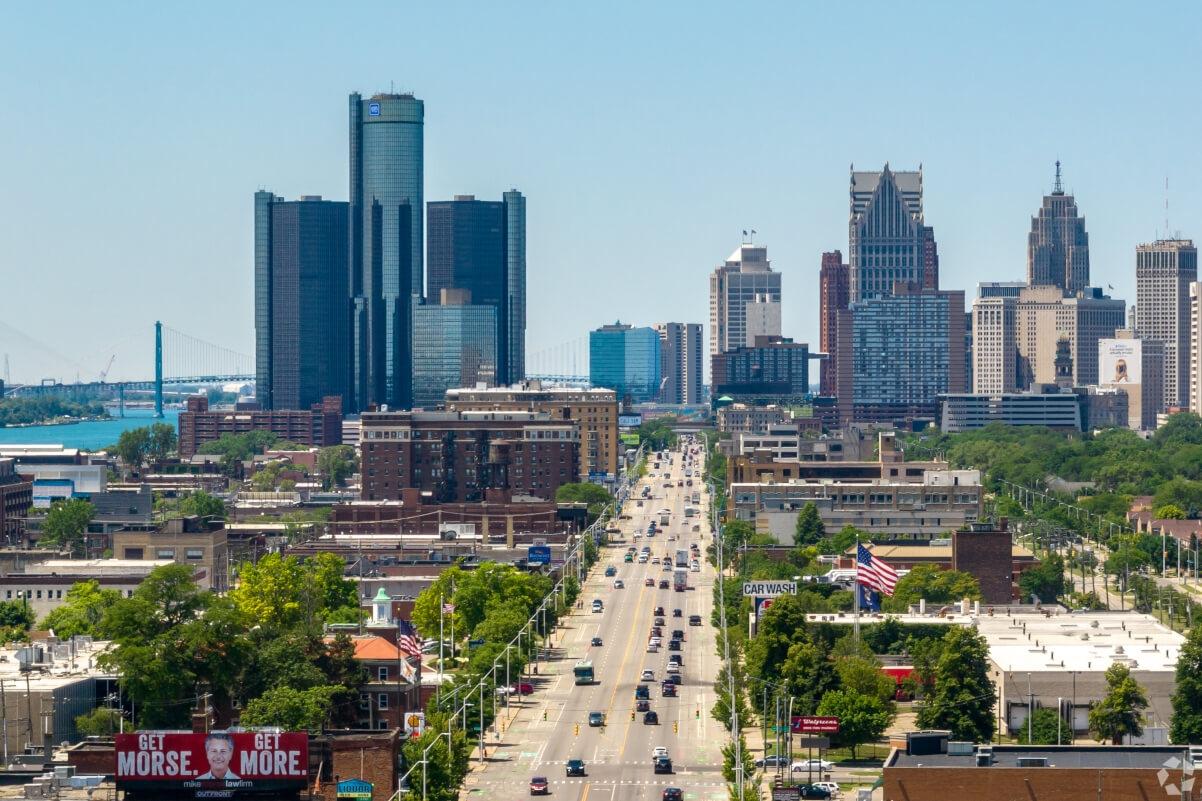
<point>1032,762</point>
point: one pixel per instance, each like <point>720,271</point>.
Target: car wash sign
<point>768,589</point>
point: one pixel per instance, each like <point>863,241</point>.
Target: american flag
<point>408,640</point>
<point>873,572</point>
<point>448,608</point>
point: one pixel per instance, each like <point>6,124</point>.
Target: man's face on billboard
<point>219,753</point>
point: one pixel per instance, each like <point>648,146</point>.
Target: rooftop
<point>100,567</point>
<point>1064,756</point>
<point>60,663</point>
<point>1080,641</point>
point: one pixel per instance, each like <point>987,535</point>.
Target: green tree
<point>1186,726</point>
<point>750,778</point>
<point>65,524</point>
<point>937,586</point>
<point>1045,580</point>
<point>593,495</point>
<point>202,504</point>
<point>82,610</point>
<point>281,592</point>
<point>841,540</point>
<point>1170,511</point>
<point>335,464</point>
<point>16,615</point>
<point>293,710</point>
<point>963,697</point>
<point>1126,560</point>
<point>1120,713</point>
<point>862,675</point>
<point>809,529</point>
<point>161,441</point>
<point>133,446</point>
<point>100,722</point>
<point>862,718</point>
<point>1047,728</point>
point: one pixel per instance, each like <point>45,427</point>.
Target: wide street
<point>551,726</point>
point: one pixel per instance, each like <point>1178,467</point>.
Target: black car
<point>596,641</point>
<point>810,791</point>
<point>642,693</point>
<point>663,584</point>
<point>669,689</point>
<point>659,610</point>
<point>659,621</point>
<point>676,678</point>
<point>673,645</point>
<point>651,718</point>
<point>663,765</point>
<point>678,634</point>
<point>673,794</point>
<point>575,767</point>
<point>694,620</point>
<point>642,706</point>
<point>596,719</point>
<point>656,631</point>
<point>676,659</point>
<point>675,613</point>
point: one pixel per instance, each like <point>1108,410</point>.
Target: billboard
<point>630,420</point>
<point>538,555</point>
<point>214,765</point>
<point>809,724</point>
<point>769,589</point>
<point>415,724</point>
<point>1120,362</point>
<point>629,439</point>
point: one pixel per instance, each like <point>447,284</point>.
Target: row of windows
<point>51,595</point>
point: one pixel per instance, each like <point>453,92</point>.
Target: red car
<point>539,786</point>
<point>649,582</point>
<point>523,688</point>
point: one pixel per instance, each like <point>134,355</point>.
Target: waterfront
<point>89,435</point>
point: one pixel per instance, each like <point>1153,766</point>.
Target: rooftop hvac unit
<point>984,759</point>
<point>959,748</point>
<point>1032,762</point>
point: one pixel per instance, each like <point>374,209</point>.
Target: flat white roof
<point>1080,641</point>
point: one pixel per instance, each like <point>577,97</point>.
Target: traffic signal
<point>697,714</point>
<point>676,728</point>
<point>577,729</point>
<point>544,714</point>
<point>632,715</point>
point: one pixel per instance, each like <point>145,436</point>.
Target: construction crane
<point>104,373</point>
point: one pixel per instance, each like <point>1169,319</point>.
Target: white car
<point>695,566</point>
<point>648,675</point>
<point>815,765</point>
<point>653,648</point>
<point>618,585</point>
<point>660,751</point>
<point>830,787</point>
<point>673,668</point>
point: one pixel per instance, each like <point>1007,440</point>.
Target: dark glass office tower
<point>300,300</point>
<point>480,246</point>
<point>386,161</point>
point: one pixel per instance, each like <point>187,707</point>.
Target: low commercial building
<point>458,456</point>
<point>199,544</point>
<point>16,498</point>
<point>496,516</point>
<point>1060,408</point>
<point>43,586</point>
<point>739,418</point>
<point>595,411</point>
<point>939,771</point>
<point>318,426</point>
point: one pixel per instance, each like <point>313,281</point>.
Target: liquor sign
<point>214,765</point>
<point>353,788</point>
<point>808,724</point>
<point>769,589</point>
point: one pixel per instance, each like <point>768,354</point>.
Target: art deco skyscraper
<point>386,174</point>
<point>1058,247</point>
<point>887,239</point>
<point>1164,271</point>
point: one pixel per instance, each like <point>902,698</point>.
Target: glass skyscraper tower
<point>386,266</point>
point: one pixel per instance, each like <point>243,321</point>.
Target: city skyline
<point>981,181</point>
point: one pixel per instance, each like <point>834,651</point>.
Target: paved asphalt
<point>550,726</point>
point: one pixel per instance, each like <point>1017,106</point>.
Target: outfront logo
<point>1187,778</point>
<point>373,109</point>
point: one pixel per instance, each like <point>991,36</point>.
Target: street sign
<point>353,788</point>
<point>538,555</point>
<point>821,743</point>
<point>786,794</point>
<point>808,724</point>
<point>769,589</point>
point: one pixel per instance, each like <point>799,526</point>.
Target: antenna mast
<point>1057,188</point>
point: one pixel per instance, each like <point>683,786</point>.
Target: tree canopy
<point>82,610</point>
<point>65,524</point>
<point>936,585</point>
<point>1186,726</point>
<point>1120,712</point>
<point>809,529</point>
<point>963,697</point>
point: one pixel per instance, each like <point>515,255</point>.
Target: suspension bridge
<point>180,360</point>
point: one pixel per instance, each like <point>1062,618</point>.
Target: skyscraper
<point>386,175</point>
<point>1164,271</point>
<point>1058,247</point>
<point>300,300</point>
<point>887,238</point>
<point>480,246</point>
<point>834,295</point>
<point>626,360</point>
<point>744,282</point>
<point>680,362</point>
<point>454,345</point>
<point>994,347</point>
<point>1044,315</point>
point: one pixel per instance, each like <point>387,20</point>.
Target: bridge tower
<point>158,368</point>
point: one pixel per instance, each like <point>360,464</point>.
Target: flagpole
<point>856,623</point>
<point>442,667</point>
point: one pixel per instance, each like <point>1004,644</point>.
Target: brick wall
<point>369,756</point>
<point>987,555</point>
<point>1030,784</point>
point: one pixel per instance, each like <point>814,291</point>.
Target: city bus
<point>583,672</point>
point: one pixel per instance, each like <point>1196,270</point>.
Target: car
<point>678,634</point>
<point>611,571</point>
<point>694,620</point>
<point>667,567</point>
<point>642,706</point>
<point>540,786</point>
<point>653,648</point>
<point>830,787</point>
<point>673,669</point>
<point>649,582</point>
<point>676,613</point>
<point>659,751</point>
<point>642,693</point>
<point>643,559</point>
<point>596,641</point>
<point>673,794</point>
<point>629,557</point>
<point>619,585</point>
<point>523,688</point>
<point>668,690</point>
<point>675,659</point>
<point>648,675</point>
<point>663,765</point>
<point>695,567</point>
<point>656,631</point>
<point>675,678</point>
<point>697,527</point>
<point>663,584</point>
<point>673,645</point>
<point>815,765</point>
<point>575,767</point>
<point>655,561</point>
<point>813,791</point>
<point>658,612</point>
<point>659,621</point>
<point>596,719</point>
<point>650,718</point>
<point>774,761</point>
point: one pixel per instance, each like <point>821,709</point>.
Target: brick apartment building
<point>319,426</point>
<point>458,456</point>
<point>16,496</point>
<point>200,544</point>
<point>594,410</point>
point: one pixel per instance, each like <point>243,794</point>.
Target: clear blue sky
<point>646,136</point>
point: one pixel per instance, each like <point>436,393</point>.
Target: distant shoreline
<point>59,421</point>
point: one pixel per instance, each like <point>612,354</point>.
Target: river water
<point>86,436</point>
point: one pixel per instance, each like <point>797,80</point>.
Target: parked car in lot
<point>595,641</point>
<point>813,791</point>
<point>540,786</point>
<point>830,787</point>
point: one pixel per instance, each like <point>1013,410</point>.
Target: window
<point>364,701</point>
<point>39,594</point>
<point>133,553</point>
<point>382,673</point>
<point>381,724</point>
<point>381,700</point>
<point>194,553</point>
<point>164,553</point>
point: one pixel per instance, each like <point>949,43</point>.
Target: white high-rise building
<point>1164,271</point>
<point>994,347</point>
<point>745,280</point>
<point>1195,347</point>
<point>681,361</point>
